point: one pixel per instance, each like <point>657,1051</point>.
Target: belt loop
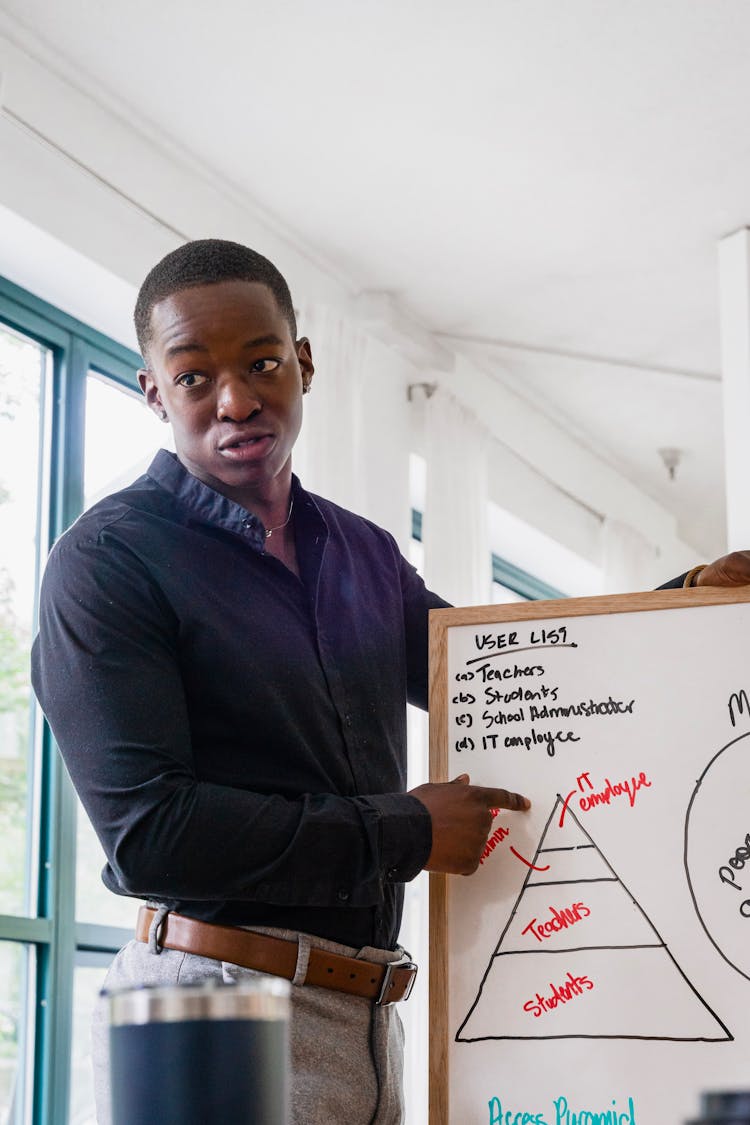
<point>303,959</point>
<point>153,931</point>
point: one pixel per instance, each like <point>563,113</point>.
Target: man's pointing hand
<point>462,817</point>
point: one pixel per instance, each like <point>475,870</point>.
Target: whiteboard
<point>596,968</point>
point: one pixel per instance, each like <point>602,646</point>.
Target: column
<point>734,291</point>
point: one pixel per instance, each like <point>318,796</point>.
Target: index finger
<point>503,799</point>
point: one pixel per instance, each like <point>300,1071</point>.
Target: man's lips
<point>242,437</point>
<point>245,447</point>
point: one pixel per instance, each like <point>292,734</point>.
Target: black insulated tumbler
<point>201,1054</point>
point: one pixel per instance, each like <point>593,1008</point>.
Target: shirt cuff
<point>677,583</point>
<point>405,835</point>
<point>690,577</point>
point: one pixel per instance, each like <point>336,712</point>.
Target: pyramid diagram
<point>579,958</point>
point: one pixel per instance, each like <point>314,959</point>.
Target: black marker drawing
<point>513,651</point>
<point>720,888</point>
<point>579,958</point>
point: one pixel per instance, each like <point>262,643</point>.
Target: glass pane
<point>22,366</point>
<point>15,1004</point>
<point>122,436</point>
<point>94,903</point>
<point>87,981</point>
<point>502,594</point>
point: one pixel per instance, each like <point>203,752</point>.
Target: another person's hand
<point>729,570</point>
<point>462,817</point>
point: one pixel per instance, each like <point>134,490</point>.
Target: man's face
<point>224,368</point>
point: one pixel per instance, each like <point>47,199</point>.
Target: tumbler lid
<point>262,998</point>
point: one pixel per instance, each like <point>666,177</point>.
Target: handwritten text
<point>560,920</point>
<point>561,994</point>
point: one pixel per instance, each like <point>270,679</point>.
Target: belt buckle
<point>404,962</point>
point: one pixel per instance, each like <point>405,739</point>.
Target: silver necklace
<point>270,530</point>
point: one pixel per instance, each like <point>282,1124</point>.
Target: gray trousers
<point>347,1053</point>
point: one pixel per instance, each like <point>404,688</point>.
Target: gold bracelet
<point>692,575</point>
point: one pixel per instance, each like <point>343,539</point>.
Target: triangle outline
<point>497,952</point>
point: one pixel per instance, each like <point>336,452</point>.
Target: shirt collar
<point>209,506</point>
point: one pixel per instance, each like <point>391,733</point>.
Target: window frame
<point>506,573</point>
<point>529,587</point>
<point>56,938</point>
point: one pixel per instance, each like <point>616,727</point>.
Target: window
<point>61,386</point>
<point>512,584</point>
<point>528,564</point>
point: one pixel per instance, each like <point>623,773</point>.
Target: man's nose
<point>237,400</point>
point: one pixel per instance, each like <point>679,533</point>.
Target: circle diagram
<point>717,851</point>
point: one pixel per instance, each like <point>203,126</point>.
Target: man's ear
<point>151,393</point>
<point>304,355</point>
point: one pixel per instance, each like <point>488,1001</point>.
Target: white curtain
<point>628,559</point>
<point>328,455</point>
<point>455,524</point>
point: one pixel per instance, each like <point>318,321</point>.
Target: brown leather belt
<point>385,984</point>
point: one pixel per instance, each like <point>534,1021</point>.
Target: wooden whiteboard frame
<point>441,620</point>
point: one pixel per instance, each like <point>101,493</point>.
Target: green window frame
<point>504,572</point>
<point>521,582</point>
<point>59,941</point>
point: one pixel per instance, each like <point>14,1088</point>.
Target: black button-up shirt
<point>238,735</point>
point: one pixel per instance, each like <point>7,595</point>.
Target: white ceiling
<point>550,174</point>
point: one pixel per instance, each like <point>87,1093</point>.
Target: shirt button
<point>343,895</point>
<point>391,873</point>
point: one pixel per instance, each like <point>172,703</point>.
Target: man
<point>225,662</point>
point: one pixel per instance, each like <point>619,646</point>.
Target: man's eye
<point>265,366</point>
<point>191,379</point>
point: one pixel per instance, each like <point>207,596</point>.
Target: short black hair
<point>207,261</point>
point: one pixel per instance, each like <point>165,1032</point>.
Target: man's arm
<point>417,602</point>
<point>729,570</point>
<point>106,667</point>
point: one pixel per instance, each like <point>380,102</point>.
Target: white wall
<point>112,200</point>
